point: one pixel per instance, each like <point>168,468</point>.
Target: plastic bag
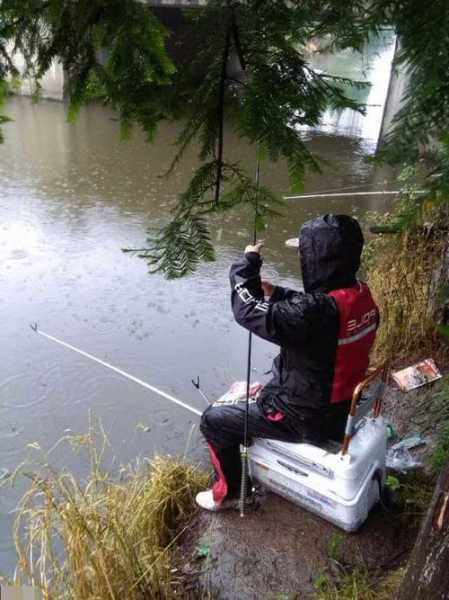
<point>237,393</point>
<point>401,459</point>
<point>399,456</point>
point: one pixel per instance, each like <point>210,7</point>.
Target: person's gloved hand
<point>255,248</point>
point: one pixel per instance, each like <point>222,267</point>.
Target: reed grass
<point>105,537</point>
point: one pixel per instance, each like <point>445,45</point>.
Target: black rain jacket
<point>304,324</point>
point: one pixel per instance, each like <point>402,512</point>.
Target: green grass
<point>441,455</point>
<point>358,584</point>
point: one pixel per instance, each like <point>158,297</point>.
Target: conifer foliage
<point>249,72</point>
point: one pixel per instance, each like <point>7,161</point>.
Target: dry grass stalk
<point>103,538</point>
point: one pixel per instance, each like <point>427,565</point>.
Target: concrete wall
<point>395,94</point>
<point>53,80</point>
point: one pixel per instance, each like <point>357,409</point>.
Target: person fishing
<point>325,335</point>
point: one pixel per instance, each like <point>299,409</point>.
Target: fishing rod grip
<point>243,481</point>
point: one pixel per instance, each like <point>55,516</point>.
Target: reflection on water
<point>72,197</point>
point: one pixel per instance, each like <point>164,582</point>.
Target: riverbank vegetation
<point>406,269</point>
<point>103,536</point>
<point>358,584</point>
<point>114,534</point>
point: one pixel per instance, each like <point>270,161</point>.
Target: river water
<point>71,197</point>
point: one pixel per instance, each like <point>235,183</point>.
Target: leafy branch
<point>267,98</point>
<point>179,247</point>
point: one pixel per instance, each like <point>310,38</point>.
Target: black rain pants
<point>223,428</point>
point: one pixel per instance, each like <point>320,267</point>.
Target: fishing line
<point>144,384</point>
<point>340,189</point>
<point>244,451</point>
<point>337,195</point>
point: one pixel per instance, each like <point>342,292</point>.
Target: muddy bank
<point>279,550</point>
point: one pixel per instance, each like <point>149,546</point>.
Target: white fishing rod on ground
<point>244,450</point>
<point>103,363</point>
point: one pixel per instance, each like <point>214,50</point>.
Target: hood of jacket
<point>329,251</point>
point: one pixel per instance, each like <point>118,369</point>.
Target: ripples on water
<point>72,197</point>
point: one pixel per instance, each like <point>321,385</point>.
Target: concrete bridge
<point>170,12</point>
<point>393,101</point>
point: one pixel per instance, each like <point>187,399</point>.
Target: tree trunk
<point>427,576</point>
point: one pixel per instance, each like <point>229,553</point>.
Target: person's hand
<point>268,288</point>
<point>255,247</point>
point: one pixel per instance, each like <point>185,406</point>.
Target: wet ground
<point>283,549</point>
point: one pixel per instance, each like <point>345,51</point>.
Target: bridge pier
<point>395,94</point>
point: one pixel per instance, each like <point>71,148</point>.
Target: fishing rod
<point>140,382</point>
<point>244,450</point>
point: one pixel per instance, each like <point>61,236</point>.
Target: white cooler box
<point>338,484</point>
